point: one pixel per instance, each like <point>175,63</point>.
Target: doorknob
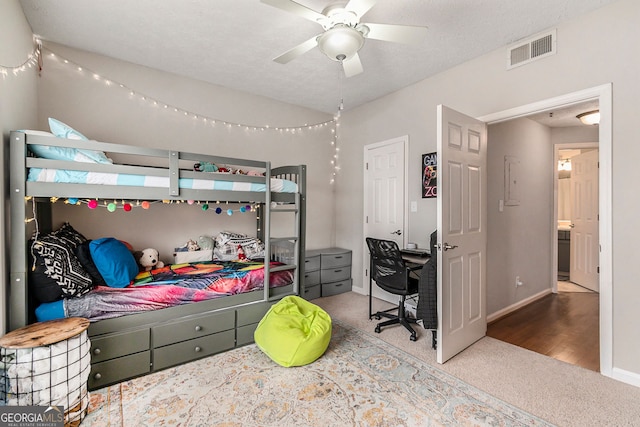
<point>398,232</point>
<point>572,225</point>
<point>447,246</point>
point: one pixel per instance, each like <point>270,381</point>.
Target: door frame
<point>554,243</point>
<point>404,140</point>
<point>603,94</point>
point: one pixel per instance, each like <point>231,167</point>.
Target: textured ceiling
<point>232,42</point>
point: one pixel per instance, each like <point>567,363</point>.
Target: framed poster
<point>429,175</point>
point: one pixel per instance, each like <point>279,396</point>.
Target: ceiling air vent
<point>529,50</point>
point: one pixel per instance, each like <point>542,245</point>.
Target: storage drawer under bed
<point>119,369</point>
<point>183,330</point>
<point>118,344</point>
<point>187,351</point>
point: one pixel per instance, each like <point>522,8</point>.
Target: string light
<point>186,113</point>
<point>34,58</point>
<point>211,121</point>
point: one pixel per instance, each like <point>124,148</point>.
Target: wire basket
<point>47,373</point>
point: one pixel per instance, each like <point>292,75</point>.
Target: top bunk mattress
<point>122,179</point>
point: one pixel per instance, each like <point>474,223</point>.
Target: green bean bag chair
<point>294,332</point>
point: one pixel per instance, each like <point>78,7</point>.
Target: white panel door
<point>585,242</point>
<point>462,207</point>
<point>384,197</point>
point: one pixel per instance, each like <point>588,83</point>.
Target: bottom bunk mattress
<point>170,286</point>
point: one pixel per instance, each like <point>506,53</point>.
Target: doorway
<point>603,95</point>
<point>563,324</point>
<point>385,195</point>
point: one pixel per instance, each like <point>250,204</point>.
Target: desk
<point>415,256</point>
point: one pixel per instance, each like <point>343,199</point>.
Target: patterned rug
<point>359,381</point>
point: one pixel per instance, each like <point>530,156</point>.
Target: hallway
<point>564,326</point>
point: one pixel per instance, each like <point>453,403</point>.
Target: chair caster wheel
<point>378,317</point>
<point>377,330</point>
<point>413,338</point>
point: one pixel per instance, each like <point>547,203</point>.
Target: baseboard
<point>507,310</point>
<point>626,376</point>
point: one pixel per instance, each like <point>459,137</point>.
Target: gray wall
<point>519,237</point>
<point>110,113</point>
<point>18,108</point>
<point>588,55</point>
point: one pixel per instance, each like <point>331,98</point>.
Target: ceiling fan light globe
<point>340,42</point>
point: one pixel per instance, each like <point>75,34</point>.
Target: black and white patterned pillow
<point>56,263</point>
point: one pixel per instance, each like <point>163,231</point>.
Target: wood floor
<point>564,326</point>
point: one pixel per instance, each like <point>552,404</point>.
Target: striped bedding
<point>83,177</point>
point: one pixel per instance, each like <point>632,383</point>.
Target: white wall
<point>18,101</point>
<point>519,237</point>
<point>591,52</point>
<point>110,113</point>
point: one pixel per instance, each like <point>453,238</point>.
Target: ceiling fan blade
<point>297,51</point>
<point>352,66</point>
<point>360,7</point>
<point>397,33</point>
<point>295,8</point>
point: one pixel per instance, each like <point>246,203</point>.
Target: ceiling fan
<point>344,34</point>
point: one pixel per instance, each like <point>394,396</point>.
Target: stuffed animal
<point>192,246</point>
<point>205,167</point>
<point>149,259</point>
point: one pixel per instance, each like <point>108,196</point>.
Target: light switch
<point>501,205</point>
<point>414,206</point>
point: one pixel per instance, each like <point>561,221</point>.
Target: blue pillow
<point>114,261</point>
<point>61,130</point>
<point>50,311</point>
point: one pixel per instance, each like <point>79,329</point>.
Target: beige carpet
<point>560,393</point>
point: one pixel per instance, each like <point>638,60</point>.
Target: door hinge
<point>598,269</point>
<point>366,219</point>
<point>366,166</point>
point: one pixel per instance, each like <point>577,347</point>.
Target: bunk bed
<point>126,346</point>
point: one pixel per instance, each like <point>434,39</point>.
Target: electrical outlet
<point>518,282</point>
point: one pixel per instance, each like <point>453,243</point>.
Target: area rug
<point>359,381</point>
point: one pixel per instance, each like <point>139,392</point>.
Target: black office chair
<point>389,271</point>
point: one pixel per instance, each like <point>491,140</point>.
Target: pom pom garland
<point>113,206</point>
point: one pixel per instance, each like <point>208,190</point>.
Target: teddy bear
<point>149,259</point>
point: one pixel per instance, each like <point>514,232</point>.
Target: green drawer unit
<point>194,327</point>
<point>118,344</point>
<point>119,369</point>
<point>197,348</point>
